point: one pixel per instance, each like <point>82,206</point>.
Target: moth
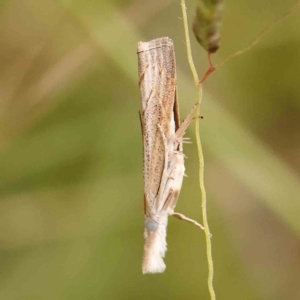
<point>163,136</point>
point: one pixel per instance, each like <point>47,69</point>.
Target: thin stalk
<point>200,155</point>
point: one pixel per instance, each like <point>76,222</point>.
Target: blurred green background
<point>71,206</point>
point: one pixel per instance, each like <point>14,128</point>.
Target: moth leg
<point>171,201</point>
<point>185,124</point>
<point>184,218</point>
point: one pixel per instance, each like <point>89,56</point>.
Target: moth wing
<point>157,82</point>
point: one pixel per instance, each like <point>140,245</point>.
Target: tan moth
<point>162,144</point>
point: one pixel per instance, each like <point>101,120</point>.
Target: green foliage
<point>71,208</point>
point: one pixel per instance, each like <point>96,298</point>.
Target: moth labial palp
<point>163,156</point>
